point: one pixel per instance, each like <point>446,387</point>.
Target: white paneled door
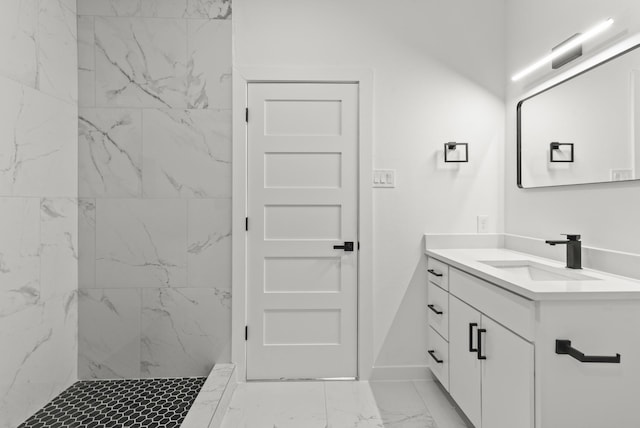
<point>302,205</point>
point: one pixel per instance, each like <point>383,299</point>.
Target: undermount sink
<point>533,271</point>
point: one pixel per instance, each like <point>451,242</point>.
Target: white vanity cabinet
<point>498,352</point>
<point>490,368</point>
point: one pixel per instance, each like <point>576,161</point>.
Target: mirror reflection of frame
<point>596,113</point>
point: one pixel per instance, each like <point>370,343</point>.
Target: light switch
<point>384,178</point>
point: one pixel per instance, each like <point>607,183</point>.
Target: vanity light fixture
<point>556,148</point>
<point>461,149</point>
<point>571,44</point>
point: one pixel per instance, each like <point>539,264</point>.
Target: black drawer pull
<point>472,325</point>
<point>564,347</point>
<point>433,355</point>
<point>437,311</point>
<point>480,356</point>
<point>433,272</point>
<point>347,246</point>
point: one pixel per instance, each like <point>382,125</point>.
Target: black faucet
<point>574,250</point>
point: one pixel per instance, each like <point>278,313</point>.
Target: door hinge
<point>246,223</point>
<point>246,115</point>
<point>246,332</point>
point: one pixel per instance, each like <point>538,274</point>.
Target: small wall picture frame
<point>456,152</point>
<point>560,152</point>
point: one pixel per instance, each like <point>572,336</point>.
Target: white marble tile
<point>109,7</point>
<point>351,405</point>
<point>59,246</point>
<point>18,40</point>
<point>281,405</point>
<point>184,332</point>
<point>110,152</point>
<point>163,8</point>
<point>86,62</point>
<point>440,405</point>
<point>210,396</point>
<point>210,58</point>
<point>223,404</point>
<point>38,143</point>
<point>141,243</point>
<point>209,243</point>
<point>187,153</point>
<point>141,62</point>
<point>19,254</point>
<point>109,333</point>
<point>39,357</point>
<point>214,9</point>
<point>57,49</point>
<point>400,405</point>
<point>86,243</point>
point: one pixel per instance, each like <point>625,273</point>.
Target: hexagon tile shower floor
<point>136,403</point>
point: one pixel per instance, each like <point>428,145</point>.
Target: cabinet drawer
<point>438,356</point>
<point>438,301</point>
<point>438,272</point>
<point>510,310</point>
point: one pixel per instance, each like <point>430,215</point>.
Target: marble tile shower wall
<point>155,187</point>
<point>38,204</point>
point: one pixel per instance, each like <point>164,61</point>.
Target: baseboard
<point>401,373</point>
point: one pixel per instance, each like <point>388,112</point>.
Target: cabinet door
<point>464,366</point>
<point>507,378</point>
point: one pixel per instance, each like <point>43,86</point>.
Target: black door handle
<point>348,246</point>
<point>433,355</point>
<point>564,347</point>
<point>471,327</point>
<point>433,308</point>
<point>480,356</point>
<point>433,272</point>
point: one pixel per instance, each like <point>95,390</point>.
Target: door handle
<point>434,309</point>
<point>480,356</point>
<point>434,273</point>
<point>348,246</point>
<point>471,327</point>
<point>433,355</point>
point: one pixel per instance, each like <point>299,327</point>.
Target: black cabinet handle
<point>472,325</point>
<point>433,308</point>
<point>563,347</point>
<point>433,355</point>
<point>480,356</point>
<point>433,272</point>
<point>348,246</point>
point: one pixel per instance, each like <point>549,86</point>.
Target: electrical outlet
<point>483,224</point>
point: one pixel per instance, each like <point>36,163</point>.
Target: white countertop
<point>605,286</point>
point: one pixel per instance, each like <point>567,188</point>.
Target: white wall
<point>605,214</point>
<point>439,76</point>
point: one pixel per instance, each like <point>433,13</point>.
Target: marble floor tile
<point>109,333</point>
<point>440,405</point>
<point>209,398</point>
<point>277,404</point>
<point>351,405</point>
<point>401,406</point>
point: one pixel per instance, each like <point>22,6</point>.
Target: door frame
<point>241,78</point>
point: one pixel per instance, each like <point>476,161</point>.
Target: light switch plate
<point>483,224</point>
<point>384,178</point>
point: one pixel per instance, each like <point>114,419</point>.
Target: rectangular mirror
<point>585,129</point>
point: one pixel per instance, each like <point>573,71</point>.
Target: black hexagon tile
<point>144,403</point>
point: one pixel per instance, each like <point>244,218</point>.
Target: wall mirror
<point>585,129</point>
